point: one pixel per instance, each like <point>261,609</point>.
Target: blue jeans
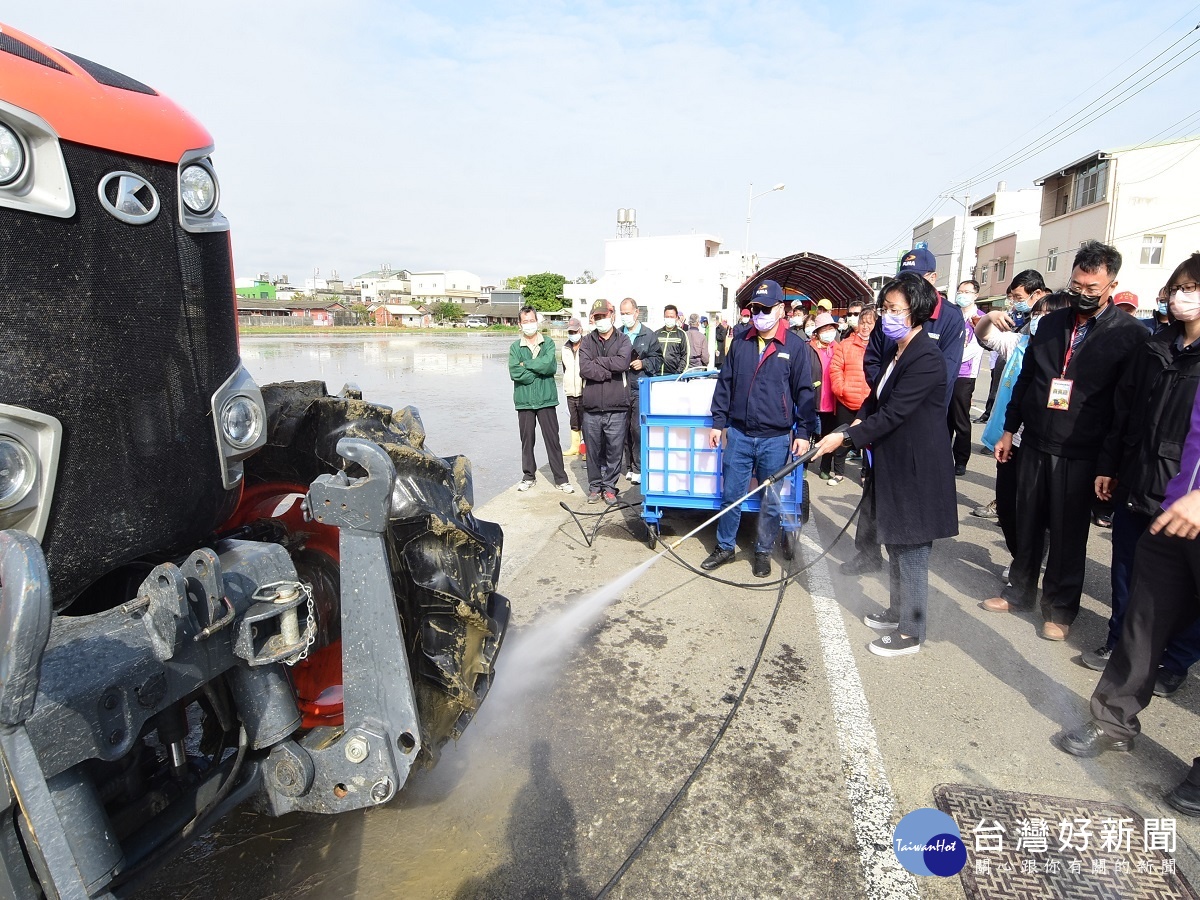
<point>1183,648</point>
<point>744,457</point>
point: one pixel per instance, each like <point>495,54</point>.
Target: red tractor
<point>211,593</point>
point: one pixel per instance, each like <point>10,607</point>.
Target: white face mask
<point>1184,306</point>
<point>604,326</point>
<point>529,329</point>
<point>573,337</point>
<point>628,319</point>
<point>809,331</point>
<point>670,323</point>
<point>852,321</point>
<point>797,321</point>
<point>826,336</point>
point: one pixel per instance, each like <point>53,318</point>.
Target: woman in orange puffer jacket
<point>850,387</point>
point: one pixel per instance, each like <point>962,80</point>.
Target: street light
<point>750,206</point>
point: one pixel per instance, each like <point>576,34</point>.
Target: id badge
<point>1060,393</point>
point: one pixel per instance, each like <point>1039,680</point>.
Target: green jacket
<point>533,376</point>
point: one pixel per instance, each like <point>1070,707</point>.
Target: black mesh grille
<point>9,44</point>
<point>123,333</point>
<point>110,77</point>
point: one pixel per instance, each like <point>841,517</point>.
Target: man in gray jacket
<point>646,361</point>
<point>604,357</point>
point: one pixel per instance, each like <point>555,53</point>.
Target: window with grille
<point>1052,259</point>
<point>1090,184</point>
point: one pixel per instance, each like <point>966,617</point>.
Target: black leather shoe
<point>960,470</point>
<point>1090,740</point>
<point>862,564</point>
<point>1185,797</point>
<point>762,564</point>
<point>717,558</point>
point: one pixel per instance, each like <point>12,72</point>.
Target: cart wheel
<point>805,506</point>
<point>652,534</point>
<point>789,546</point>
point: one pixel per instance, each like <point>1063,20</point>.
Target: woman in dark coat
<point>902,422</point>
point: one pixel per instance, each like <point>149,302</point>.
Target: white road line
<point>867,786</point>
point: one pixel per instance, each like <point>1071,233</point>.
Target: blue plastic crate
<point>681,471</point>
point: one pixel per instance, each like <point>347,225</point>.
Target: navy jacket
<point>765,396</point>
<point>945,328</point>
<point>646,348</point>
<point>912,466</point>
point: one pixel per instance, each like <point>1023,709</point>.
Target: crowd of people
<point>1092,417</point>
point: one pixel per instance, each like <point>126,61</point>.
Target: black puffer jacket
<point>1152,411</point>
<point>604,366</point>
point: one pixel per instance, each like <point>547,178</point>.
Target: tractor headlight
<point>198,188</point>
<point>241,421</point>
<point>18,469</point>
<point>12,155</point>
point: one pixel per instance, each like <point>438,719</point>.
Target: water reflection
<point>458,381</point>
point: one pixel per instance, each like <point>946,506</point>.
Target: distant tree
<point>515,283</point>
<point>360,313</point>
<point>544,292</point>
<point>586,278</point>
<point>447,311</point>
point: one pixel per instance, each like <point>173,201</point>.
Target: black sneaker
<point>960,470</point>
<point>1167,683</point>
<point>762,564</point>
<point>894,644</point>
<point>1096,659</point>
<point>882,621</point>
<point>717,558</point>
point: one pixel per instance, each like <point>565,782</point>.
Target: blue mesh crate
<point>679,469</point>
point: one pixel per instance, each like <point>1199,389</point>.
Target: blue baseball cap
<point>768,293</point>
<point>918,260</point>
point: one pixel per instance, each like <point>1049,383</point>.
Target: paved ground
<point>565,771</point>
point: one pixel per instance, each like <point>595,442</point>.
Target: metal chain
<point>310,627</point>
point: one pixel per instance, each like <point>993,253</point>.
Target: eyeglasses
<point>1188,287</point>
<point>757,309</point>
<point>897,311</point>
<point>1077,291</point>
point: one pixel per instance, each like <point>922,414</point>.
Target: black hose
<point>185,834</point>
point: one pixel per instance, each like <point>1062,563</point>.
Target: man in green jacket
<point>532,366</point>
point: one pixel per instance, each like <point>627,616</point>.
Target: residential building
<point>454,285</point>
<point>1139,199</point>
<point>946,237</point>
<point>383,285</point>
<point>253,288</point>
<point>401,315</point>
<point>1006,237</point>
<point>689,270</point>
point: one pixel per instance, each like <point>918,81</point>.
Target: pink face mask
<point>1185,307</point>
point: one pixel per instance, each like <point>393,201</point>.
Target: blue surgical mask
<point>964,300</point>
<point>1021,307</point>
<point>895,326</point>
<point>1033,325</point>
<point>1162,309</point>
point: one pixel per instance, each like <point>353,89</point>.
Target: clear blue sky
<point>502,137</point>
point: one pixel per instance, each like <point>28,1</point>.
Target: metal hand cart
<point>679,468</point>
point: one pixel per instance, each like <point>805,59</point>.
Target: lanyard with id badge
<point>1060,388</point>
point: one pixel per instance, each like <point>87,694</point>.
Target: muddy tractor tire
<point>445,563</point>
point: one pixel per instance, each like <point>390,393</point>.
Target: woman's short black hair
<point>1051,302</point>
<point>920,295</point>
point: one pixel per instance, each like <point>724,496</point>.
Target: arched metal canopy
<point>812,274</point>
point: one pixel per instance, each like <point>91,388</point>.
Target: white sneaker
<point>634,477</point>
<point>524,485</point>
<point>1004,574</point>
<point>565,487</point>
<point>629,476</point>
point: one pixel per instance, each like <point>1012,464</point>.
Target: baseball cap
<point>918,260</point>
<point>574,325</point>
<point>825,305</point>
<point>1126,298</point>
<point>600,306</point>
<point>768,293</point>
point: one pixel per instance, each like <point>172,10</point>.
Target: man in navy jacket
<point>946,327</point>
<point>764,391</point>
